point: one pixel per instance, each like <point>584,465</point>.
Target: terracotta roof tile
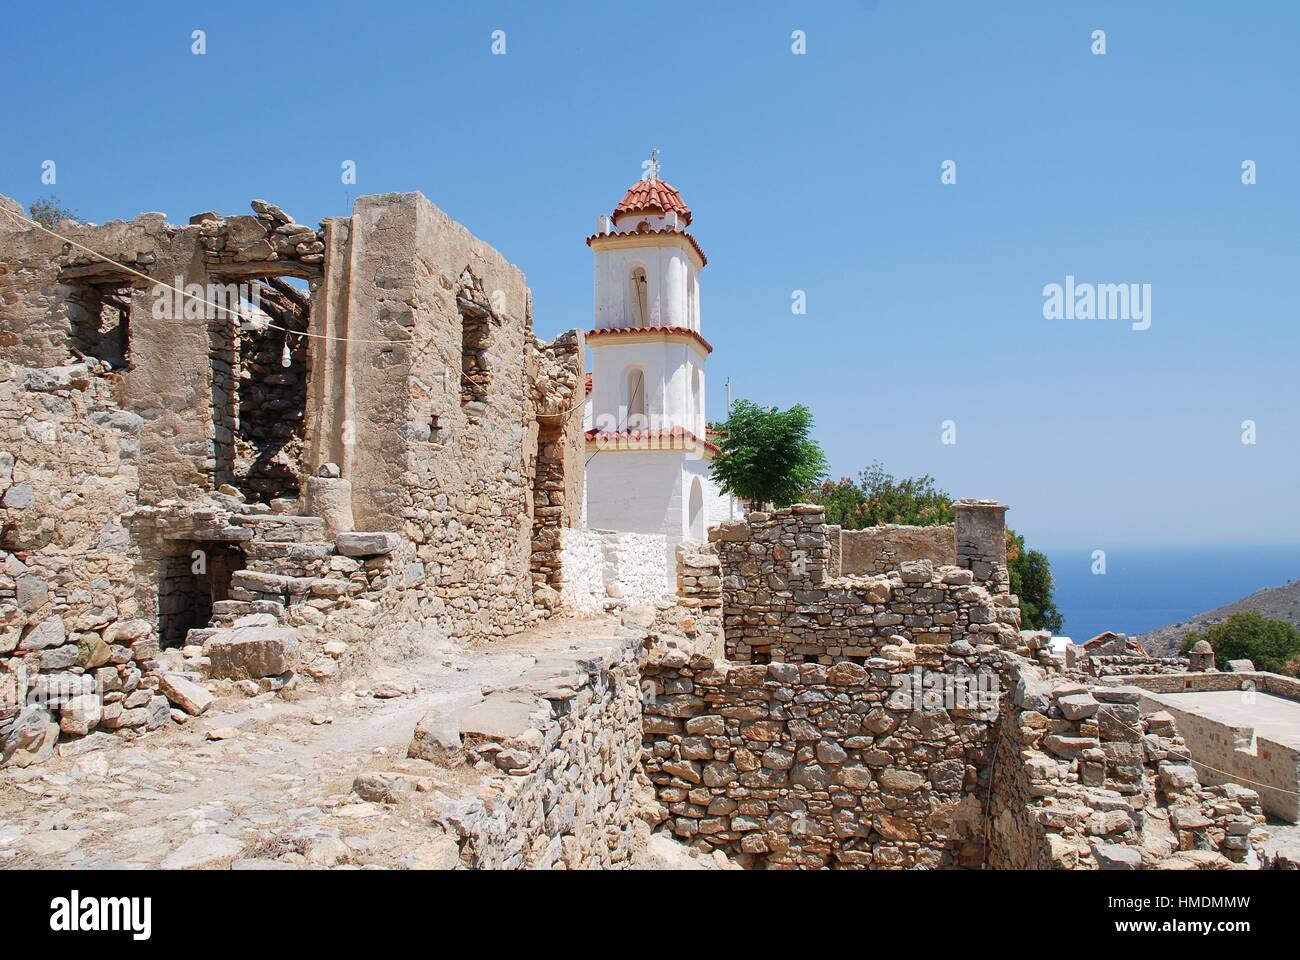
<point>646,436</point>
<point>684,331</point>
<point>653,196</point>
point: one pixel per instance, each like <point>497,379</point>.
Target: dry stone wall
<point>780,604</point>
<point>1085,779</point>
<point>1268,761</point>
<point>807,765</point>
<point>881,549</point>
<point>851,723</point>
<point>558,755</point>
<point>903,720</point>
<point>74,649</point>
<point>699,578</point>
<point>453,471</point>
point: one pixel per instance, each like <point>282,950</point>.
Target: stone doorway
<point>191,579</point>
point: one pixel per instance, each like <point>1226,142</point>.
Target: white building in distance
<point>648,450</point>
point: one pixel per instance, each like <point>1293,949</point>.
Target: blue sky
<point>818,173</point>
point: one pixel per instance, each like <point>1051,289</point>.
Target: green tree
<point>1031,581</point>
<point>767,455</point>
<point>1248,636</point>
<point>877,497</point>
<point>48,212</point>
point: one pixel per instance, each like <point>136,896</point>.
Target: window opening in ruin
<point>548,505</point>
<point>761,655</point>
<point>100,318</point>
<point>190,580</point>
<point>476,318</point>
<point>259,399</point>
<point>435,429</point>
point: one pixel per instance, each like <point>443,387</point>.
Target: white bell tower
<point>647,444</point>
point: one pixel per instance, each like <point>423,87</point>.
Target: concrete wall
<point>638,491</point>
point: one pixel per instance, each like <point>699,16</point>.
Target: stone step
<point>230,608</point>
<point>260,552</point>
<point>254,581</point>
<point>281,528</point>
<point>257,586</point>
<point>252,651</point>
<point>366,543</point>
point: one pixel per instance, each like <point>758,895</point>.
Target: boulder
<point>1116,856</point>
<point>382,787</point>
<point>191,697</point>
<point>202,851</point>
<point>901,781</point>
<point>30,739</point>
<point>31,592</point>
<point>251,652</point>
<point>49,632</point>
<point>437,739</point>
<point>79,715</point>
<point>441,853</point>
<point>1077,706</point>
<point>361,544</point>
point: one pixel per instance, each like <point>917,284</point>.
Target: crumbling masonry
<point>903,720</point>
<point>369,426</point>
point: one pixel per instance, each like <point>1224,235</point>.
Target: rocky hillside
<point>1276,603</point>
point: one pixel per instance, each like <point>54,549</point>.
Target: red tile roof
<point>683,331</point>
<point>637,436</point>
<point>653,196</point>
<point>666,231</point>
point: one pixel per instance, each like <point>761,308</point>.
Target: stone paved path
<point>276,795</point>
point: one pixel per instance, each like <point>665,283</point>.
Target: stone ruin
<point>901,719</point>
<point>350,422</point>
<point>371,437</point>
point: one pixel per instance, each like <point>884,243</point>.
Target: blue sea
<point>1148,587</point>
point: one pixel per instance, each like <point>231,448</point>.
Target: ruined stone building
<point>369,419</point>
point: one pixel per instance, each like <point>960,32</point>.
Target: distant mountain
<point>1275,603</point>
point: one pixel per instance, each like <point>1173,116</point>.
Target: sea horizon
<point>1144,588</point>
